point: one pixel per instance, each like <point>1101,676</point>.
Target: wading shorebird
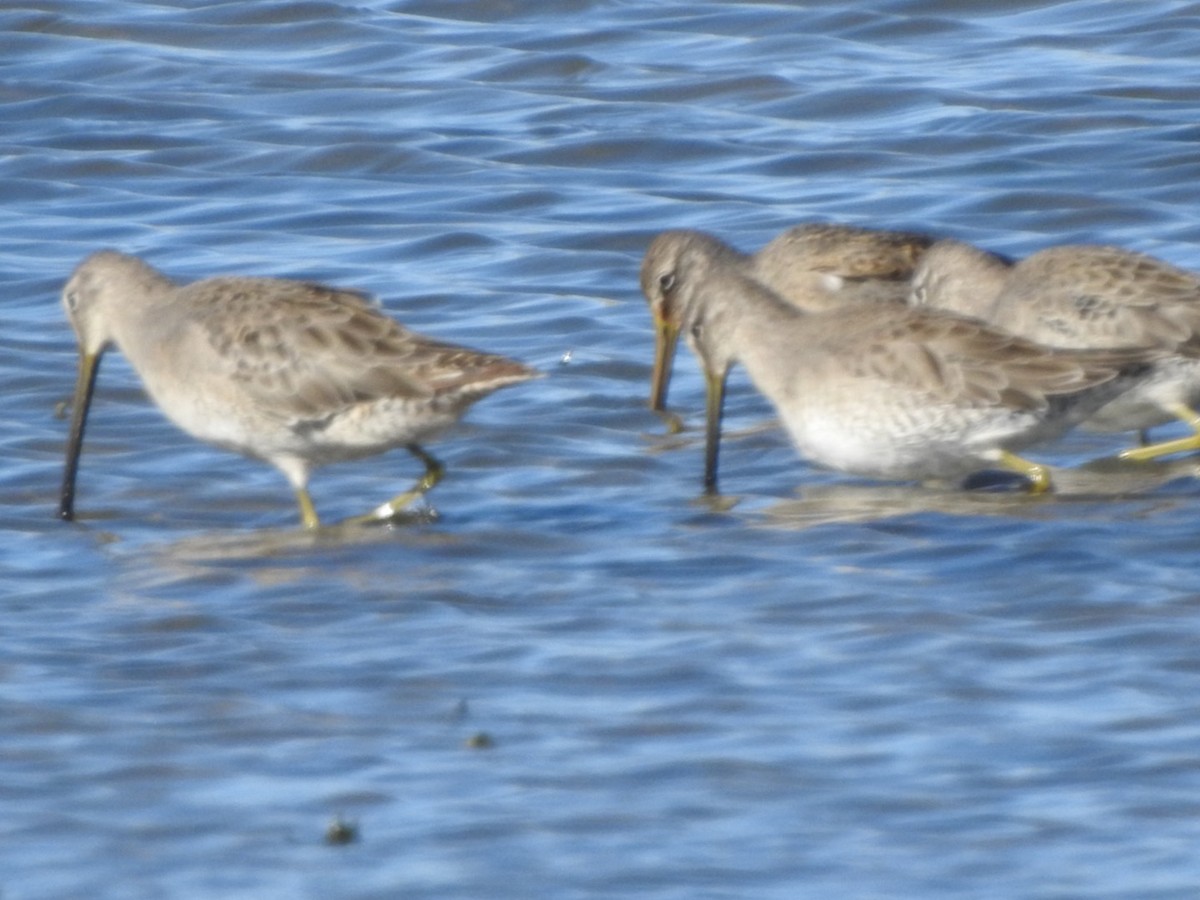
<point>1094,297</point>
<point>290,372</point>
<point>881,390</point>
<point>819,266</point>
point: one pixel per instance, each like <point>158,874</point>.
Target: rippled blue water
<point>831,689</point>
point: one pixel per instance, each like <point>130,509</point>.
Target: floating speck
<point>340,831</point>
<point>480,740</point>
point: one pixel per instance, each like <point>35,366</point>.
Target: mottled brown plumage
<point>294,373</point>
<point>1099,296</point>
<point>1087,296</point>
<point>823,265</point>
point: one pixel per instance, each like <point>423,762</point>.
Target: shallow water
<point>822,687</point>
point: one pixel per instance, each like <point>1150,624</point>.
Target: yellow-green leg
<point>1165,448</point>
<point>1037,474</point>
<point>672,420</point>
<point>386,511</point>
<point>308,512</point>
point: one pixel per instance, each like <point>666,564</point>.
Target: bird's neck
<point>763,327</point>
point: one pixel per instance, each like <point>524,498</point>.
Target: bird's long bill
<point>666,339</point>
<point>85,383</point>
<point>714,407</point>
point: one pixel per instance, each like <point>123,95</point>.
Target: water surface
<point>824,687</point>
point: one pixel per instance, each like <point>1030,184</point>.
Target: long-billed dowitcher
<point>1090,296</point>
<point>883,390</point>
<point>818,266</point>
<point>290,372</point>
<point>822,265</point>
<point>959,277</point>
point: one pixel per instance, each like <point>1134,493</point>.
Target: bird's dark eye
<point>666,281</point>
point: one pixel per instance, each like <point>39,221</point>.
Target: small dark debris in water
<point>340,831</point>
<point>60,409</point>
<point>480,740</point>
